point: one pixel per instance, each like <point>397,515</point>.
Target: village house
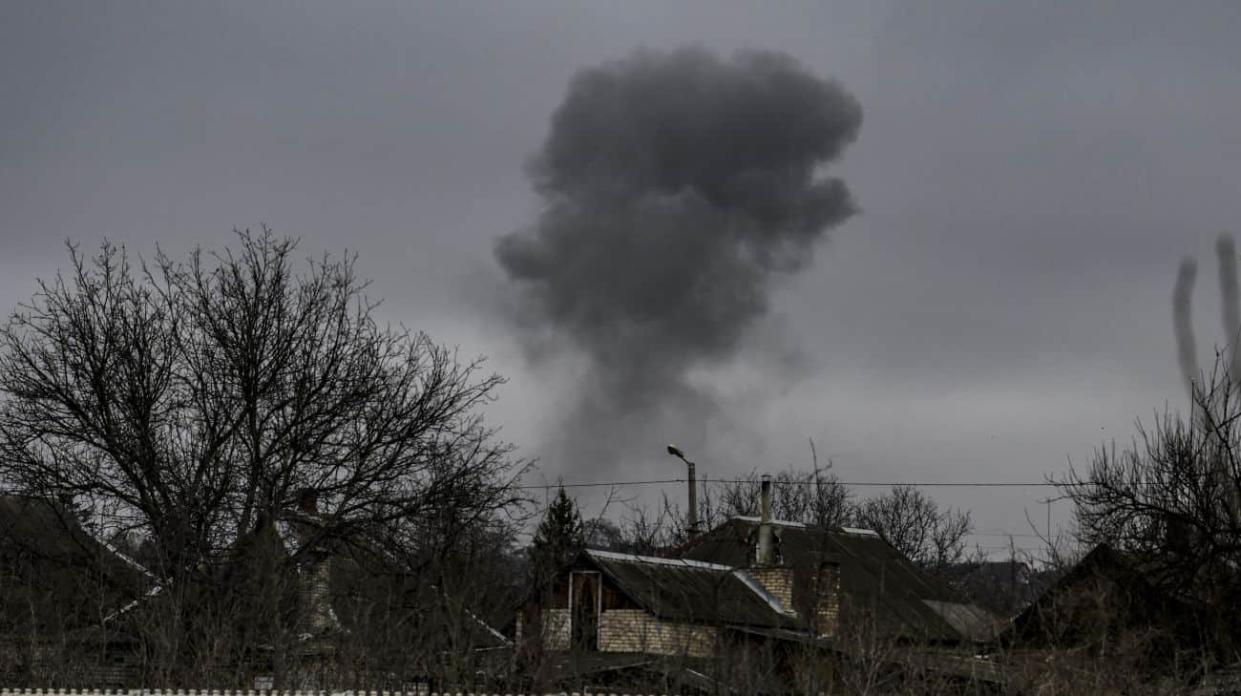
<point>1109,609</point>
<point>870,584</point>
<point>1002,587</point>
<point>325,610</point>
<point>63,596</point>
<point>308,610</point>
<point>753,594</point>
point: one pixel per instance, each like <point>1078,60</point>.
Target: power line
<point>1004,535</point>
<point>601,484</point>
<point>859,484</point>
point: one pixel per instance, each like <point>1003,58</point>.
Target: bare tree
<point>1168,496</point>
<point>907,518</point>
<point>1172,496</point>
<point>814,497</point>
<point>194,401</point>
<point>913,522</point>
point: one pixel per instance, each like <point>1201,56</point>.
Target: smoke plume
<point>1230,303</point>
<point>676,187</point>
<point>1182,322</point>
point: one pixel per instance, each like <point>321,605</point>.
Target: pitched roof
<point>362,588</point>
<point>1105,583</point>
<point>876,580</point>
<point>688,590</point>
<point>55,574</point>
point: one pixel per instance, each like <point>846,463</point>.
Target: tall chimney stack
<point>764,555</point>
<point>692,479</point>
<point>776,579</point>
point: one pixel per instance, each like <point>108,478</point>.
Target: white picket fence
<point>276,692</point>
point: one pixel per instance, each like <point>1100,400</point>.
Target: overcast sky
<point>1028,176</point>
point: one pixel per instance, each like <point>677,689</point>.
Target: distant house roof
<point>1107,590</point>
<point>876,580</point>
<point>689,590</point>
<point>363,589</point>
<point>1003,587</point>
<point>56,575</point>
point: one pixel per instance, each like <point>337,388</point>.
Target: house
<point>286,601</point>
<point>753,596</point>
<point>875,586</point>
<point>1115,616</point>
<point>1108,606</point>
<point>1002,587</point>
<point>323,609</point>
<point>63,597</point>
<point>1106,594</point>
<point>624,619</point>
<point>624,603</point>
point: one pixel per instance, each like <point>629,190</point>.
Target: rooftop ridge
<point>778,523</point>
<point>860,531</point>
<point>635,558</point>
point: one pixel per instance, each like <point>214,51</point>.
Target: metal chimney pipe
<point>693,488</point>
<point>764,555</point>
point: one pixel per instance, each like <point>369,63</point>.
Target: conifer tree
<point>558,537</point>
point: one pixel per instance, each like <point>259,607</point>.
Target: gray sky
<point>1028,174</point>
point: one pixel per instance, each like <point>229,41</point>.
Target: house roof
<point>55,574</point>
<point>876,580</point>
<point>689,590</point>
<point>1104,577</point>
<point>363,588</point>
<point>1003,587</point>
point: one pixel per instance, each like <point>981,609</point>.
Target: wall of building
<point>635,630</point>
<point>556,629</point>
<point>827,604</point>
<point>778,581</point>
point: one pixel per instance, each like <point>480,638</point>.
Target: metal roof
<point>52,571</point>
<point>778,523</point>
<point>876,580</point>
<point>689,590</point>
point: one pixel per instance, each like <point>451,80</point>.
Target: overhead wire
<point>883,484</point>
<point>858,484</point>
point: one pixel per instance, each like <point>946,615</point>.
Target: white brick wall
<point>778,581</point>
<point>634,630</point>
<point>556,629</point>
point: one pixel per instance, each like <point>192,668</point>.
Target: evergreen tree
<point>559,536</point>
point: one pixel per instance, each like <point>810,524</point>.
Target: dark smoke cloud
<point>1183,324</point>
<point>1230,303</point>
<point>676,187</point>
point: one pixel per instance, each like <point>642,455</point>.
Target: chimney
<point>765,555</point>
<point>775,579</point>
<point>827,599</point>
<point>693,489</point>
<point>308,501</point>
<point>314,570</point>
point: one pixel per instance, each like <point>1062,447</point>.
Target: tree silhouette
<point>559,536</point>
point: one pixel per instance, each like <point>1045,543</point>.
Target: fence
<point>276,692</point>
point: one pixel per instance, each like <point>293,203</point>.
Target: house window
<point>585,603</point>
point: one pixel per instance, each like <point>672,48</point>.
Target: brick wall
<point>635,630</point>
<point>315,581</point>
<point>556,629</point>
<point>827,604</point>
<point>778,581</point>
